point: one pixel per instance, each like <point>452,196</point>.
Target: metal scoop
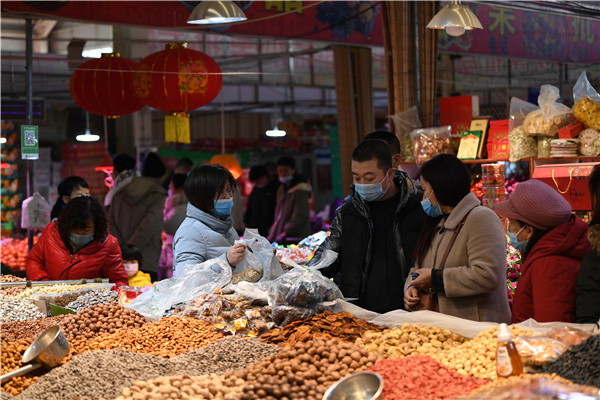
<point>47,350</point>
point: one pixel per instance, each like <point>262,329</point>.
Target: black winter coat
<point>587,291</point>
<point>260,211</point>
<point>351,233</point>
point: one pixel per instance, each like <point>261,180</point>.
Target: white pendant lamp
<point>216,12</point>
<point>455,18</point>
<point>87,136</point>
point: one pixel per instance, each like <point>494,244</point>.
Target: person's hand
<point>423,281</point>
<point>235,254</point>
<point>411,298</point>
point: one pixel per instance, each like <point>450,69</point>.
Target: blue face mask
<point>516,243</point>
<point>432,211</point>
<point>370,191</point>
<point>286,179</point>
<point>81,240</point>
<point>222,207</point>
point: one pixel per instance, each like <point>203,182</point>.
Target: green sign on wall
<point>30,149</point>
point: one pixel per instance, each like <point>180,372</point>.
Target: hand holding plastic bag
<point>265,254</point>
<point>193,281</point>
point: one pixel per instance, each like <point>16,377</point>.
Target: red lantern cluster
<point>177,79</point>
<point>104,86</point>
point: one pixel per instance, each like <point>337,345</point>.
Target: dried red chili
<point>422,378</point>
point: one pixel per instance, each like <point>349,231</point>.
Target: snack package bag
<point>521,145</point>
<point>405,122</point>
<point>550,117</point>
<point>587,103</point>
<point>430,142</point>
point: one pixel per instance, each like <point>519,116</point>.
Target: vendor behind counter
<point>77,246</point>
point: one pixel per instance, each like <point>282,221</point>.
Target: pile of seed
<point>12,291</point>
<point>580,364</point>
<point>168,337</point>
<point>19,330</point>
<point>11,278</point>
<point>107,373</point>
<point>328,324</point>
<point>12,309</point>
<point>93,297</point>
<point>20,383</point>
<point>421,377</point>
<point>410,339</point>
<point>55,289</point>
<point>476,357</point>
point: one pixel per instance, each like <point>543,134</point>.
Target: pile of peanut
<point>168,337</point>
<point>410,339</point>
<point>476,357</point>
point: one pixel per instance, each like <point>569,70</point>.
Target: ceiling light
<point>275,132</point>
<point>2,140</point>
<point>87,137</point>
<point>455,19</point>
<point>216,12</point>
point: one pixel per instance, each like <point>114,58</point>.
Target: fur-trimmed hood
<point>594,237</point>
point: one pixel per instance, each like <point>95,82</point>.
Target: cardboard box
<point>570,180</point>
<point>458,111</point>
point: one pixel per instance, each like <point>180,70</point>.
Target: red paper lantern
<point>105,86</point>
<point>177,80</point>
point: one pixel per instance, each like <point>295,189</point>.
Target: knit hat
<point>154,166</point>
<point>537,204</point>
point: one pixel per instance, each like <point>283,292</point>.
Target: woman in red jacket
<point>552,243</point>
<point>77,246</point>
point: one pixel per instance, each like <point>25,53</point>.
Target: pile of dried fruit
<point>19,330</point>
<point>476,357</point>
<point>410,339</point>
<point>11,278</point>
<point>168,337</point>
<point>14,309</point>
<point>185,387</point>
<point>421,377</point>
<point>580,364</point>
<point>328,324</point>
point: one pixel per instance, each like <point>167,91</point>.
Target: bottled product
<point>508,361</point>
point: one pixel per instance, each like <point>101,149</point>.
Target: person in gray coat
<point>136,213</point>
<point>207,231</point>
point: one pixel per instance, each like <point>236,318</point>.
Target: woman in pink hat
<point>552,242</point>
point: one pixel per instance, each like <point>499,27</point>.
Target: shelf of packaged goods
<point>494,160</point>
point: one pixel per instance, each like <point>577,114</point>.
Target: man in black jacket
<point>375,231</point>
<point>261,203</point>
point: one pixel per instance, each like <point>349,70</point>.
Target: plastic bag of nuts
<point>587,103</point>
<point>405,122</point>
<point>521,145</point>
<point>550,117</point>
<point>430,142</point>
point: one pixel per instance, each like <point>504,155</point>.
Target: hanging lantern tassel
<point>177,127</point>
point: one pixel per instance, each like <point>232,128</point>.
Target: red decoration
<point>177,79</point>
<point>105,86</point>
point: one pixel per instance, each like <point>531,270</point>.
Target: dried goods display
<point>476,357</point>
<point>544,146</point>
<point>421,377</point>
<point>587,111</point>
<point>19,330</point>
<point>580,364</point>
<point>304,370</point>
<point>568,336</point>
<point>327,324</point>
<point>534,387</point>
<point>91,298</point>
<point>185,387</point>
<point>12,309</point>
<point>229,316</point>
<point>12,291</point>
<point>521,145</point>
<point>168,337</point>
<point>11,278</point>
<point>430,142</point>
<point>550,117</point>
<point>410,339</point>
<point>59,288</point>
<point>538,350</point>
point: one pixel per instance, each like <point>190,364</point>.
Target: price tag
<point>30,148</point>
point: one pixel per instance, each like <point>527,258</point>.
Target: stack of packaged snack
<point>493,184</point>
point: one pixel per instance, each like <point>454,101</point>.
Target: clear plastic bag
<point>265,254</point>
<point>521,145</point>
<point>568,335</point>
<point>544,146</point>
<point>587,103</point>
<point>538,350</point>
<point>519,109</point>
<point>405,122</point>
<point>303,287</point>
<point>249,269</point>
<point>36,212</point>
<point>550,117</point>
<point>194,280</point>
<point>430,142</point>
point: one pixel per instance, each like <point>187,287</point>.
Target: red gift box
<point>497,145</point>
<point>458,111</point>
<point>570,131</point>
<point>570,180</point>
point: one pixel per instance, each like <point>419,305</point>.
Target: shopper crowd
<point>401,244</point>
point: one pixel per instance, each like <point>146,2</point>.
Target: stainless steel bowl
<point>358,386</point>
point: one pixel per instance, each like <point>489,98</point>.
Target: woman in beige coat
<point>472,282</point>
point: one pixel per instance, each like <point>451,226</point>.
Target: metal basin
<point>358,386</point>
<point>48,349</point>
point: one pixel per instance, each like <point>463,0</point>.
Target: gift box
<point>570,180</point>
<point>570,131</point>
<point>497,143</point>
<point>458,111</point>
